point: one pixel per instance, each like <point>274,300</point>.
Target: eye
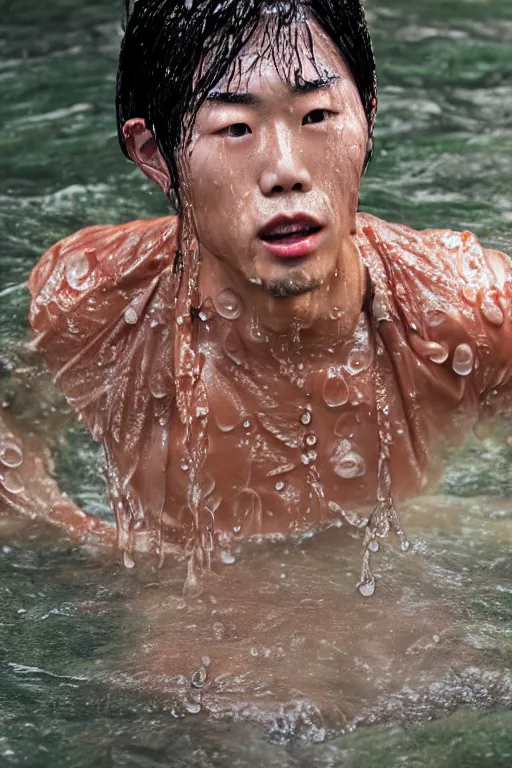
<point>236,131</point>
<point>316,116</point>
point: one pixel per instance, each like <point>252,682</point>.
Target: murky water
<point>278,661</point>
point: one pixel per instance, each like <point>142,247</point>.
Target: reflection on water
<point>100,666</point>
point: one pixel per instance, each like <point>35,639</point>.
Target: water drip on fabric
<point>431,350</point>
<point>228,412</point>
<point>358,360</point>
<point>492,313</point>
<point>470,293</point>
<point>131,316</point>
<point>78,268</point>
<point>234,348</point>
<point>350,516</point>
<point>366,585</point>
<point>199,678</point>
<point>128,560</point>
<point>227,558</point>
<point>248,507</point>
<point>335,389</point>
<point>11,455</point>
<point>346,462</point>
<point>12,482</point>
<point>463,360</point>
<point>435,318</point>
<point>228,304</point>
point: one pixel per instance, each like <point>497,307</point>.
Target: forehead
<point>298,53</point>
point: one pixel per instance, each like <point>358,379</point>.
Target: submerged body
<point>266,434</point>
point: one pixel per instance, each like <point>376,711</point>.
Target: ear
<point>143,150</point>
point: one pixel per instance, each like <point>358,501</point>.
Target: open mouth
<point>293,237</point>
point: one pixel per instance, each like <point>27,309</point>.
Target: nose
<point>284,169</point>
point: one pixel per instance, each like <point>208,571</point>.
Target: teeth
<point>289,229</point>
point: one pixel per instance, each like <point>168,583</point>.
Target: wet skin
<point>270,392</point>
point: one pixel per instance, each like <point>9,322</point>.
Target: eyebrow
<point>249,99</point>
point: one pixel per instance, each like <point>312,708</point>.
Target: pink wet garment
<point>261,452</point>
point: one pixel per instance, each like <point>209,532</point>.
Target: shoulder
<point>446,288</point>
<point>98,259</point>
<point>442,269</point>
<point>99,298</point>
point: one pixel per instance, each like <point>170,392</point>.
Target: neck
<point>322,318</point>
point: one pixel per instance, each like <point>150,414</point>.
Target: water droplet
<point>128,560</point>
<point>492,313</point>
<point>373,546</point>
<point>470,293</point>
<point>463,360</point>
<point>227,411</point>
<point>234,348</point>
<point>312,455</point>
<point>11,455</point>
<point>367,588</point>
<point>247,506</point>
<point>130,316</point>
<point>305,459</point>
<point>247,424</point>
<point>12,482</point>
<point>358,361</point>
<point>280,486</point>
<point>228,304</point>
<point>352,517</point>
<point>218,630</point>
<point>192,707</point>
<point>405,545</point>
<point>78,269</point>
<point>227,558</point>
<point>439,354</point>
<point>335,390</point>
<point>199,678</point>
<point>379,309</point>
<point>430,349</point>
<point>207,485</point>
<point>347,464</point>
<point>435,318</point>
<point>311,440</point>
<point>237,529</point>
<point>306,418</point>
<point>254,651</point>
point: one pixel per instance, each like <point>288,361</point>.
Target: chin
<point>289,286</point>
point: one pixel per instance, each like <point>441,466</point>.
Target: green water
<point>96,662</point>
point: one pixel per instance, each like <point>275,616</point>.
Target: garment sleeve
<point>478,307</point>
<point>90,297</point>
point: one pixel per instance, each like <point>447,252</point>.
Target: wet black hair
<point>167,42</point>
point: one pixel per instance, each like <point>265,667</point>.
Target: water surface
<point>100,666</point>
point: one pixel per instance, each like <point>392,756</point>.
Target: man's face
<point>274,167</point>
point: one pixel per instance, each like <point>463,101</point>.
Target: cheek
<point>218,197</point>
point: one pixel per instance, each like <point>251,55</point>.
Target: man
<point>269,360</point>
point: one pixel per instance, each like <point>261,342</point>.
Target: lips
<point>289,237</point>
